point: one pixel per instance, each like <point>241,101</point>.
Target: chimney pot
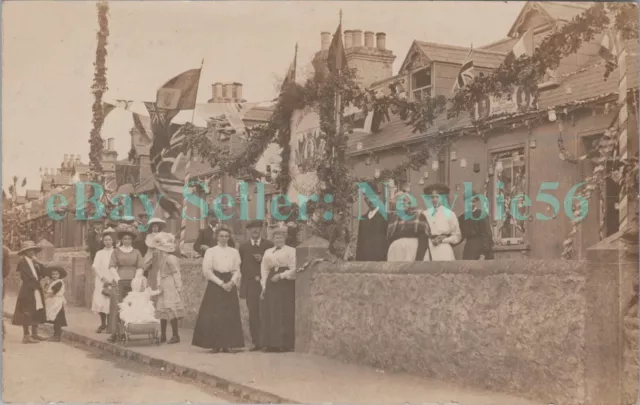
<point>77,159</point>
<point>66,160</point>
<point>228,90</point>
<point>58,172</point>
<point>238,87</point>
<point>357,38</point>
<point>325,40</point>
<point>218,93</point>
<point>104,144</point>
<point>348,39</point>
<point>368,39</point>
<point>381,41</point>
<point>112,144</point>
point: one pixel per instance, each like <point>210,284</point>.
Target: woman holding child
<point>124,262</point>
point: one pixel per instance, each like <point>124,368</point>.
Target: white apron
<point>54,304</point>
<point>100,302</point>
<point>403,250</point>
<point>36,293</point>
<point>442,221</point>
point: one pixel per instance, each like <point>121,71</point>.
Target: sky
<point>48,52</point>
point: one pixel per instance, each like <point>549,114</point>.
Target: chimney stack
<point>77,159</point>
<point>381,41</point>
<point>238,87</point>
<point>348,39</point>
<point>112,144</point>
<point>104,144</point>
<point>325,40</point>
<point>228,91</point>
<point>65,162</point>
<point>58,172</point>
<point>368,39</point>
<point>357,38</point>
<point>218,94</point>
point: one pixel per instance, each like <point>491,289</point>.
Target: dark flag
<point>337,60</point>
<point>180,92</point>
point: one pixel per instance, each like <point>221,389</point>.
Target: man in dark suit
<point>477,233</point>
<point>94,239</point>
<point>372,244</point>
<point>207,236</point>
<point>251,253</point>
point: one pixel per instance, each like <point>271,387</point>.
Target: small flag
<point>466,73</point>
<point>337,60</point>
<point>607,49</point>
<point>524,46</point>
<point>180,92</point>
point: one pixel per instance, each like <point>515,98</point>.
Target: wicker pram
<point>150,329</point>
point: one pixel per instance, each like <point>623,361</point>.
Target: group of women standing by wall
<point>218,325</point>
<point>115,267</point>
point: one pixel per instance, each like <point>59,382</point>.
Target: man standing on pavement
<point>206,237</point>
<point>251,253</point>
<point>372,244</point>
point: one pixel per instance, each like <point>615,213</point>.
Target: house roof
<point>503,45</point>
<point>552,11</point>
<point>457,54</point>
<point>33,194</point>
<point>258,113</point>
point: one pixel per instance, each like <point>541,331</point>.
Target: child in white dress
<point>137,307</point>
<point>54,302</point>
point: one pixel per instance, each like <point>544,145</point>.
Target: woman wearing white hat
<point>30,311</point>
<point>103,278</point>
<point>155,226</point>
<point>170,306</point>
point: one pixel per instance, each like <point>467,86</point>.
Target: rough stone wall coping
<point>472,267</point>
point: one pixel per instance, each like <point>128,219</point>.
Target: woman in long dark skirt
<point>277,310</point>
<point>30,306</point>
<point>218,326</point>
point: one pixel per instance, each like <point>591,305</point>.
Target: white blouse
<point>223,260</point>
<point>282,257</point>
<point>101,265</point>
<point>443,221</point>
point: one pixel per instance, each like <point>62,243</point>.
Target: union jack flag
<point>466,73</point>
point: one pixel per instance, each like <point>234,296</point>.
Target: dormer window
<point>421,84</point>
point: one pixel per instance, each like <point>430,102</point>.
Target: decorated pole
<point>187,178</point>
<point>623,207</point>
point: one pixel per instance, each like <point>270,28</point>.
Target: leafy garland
<point>99,88</point>
<point>320,92</point>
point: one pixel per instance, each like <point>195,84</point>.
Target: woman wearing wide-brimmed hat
<point>125,260</point>
<point>170,306</point>
<point>155,226</point>
<point>30,309</point>
<point>218,325</point>
<point>445,229</point>
<point>54,301</point>
<point>103,278</point>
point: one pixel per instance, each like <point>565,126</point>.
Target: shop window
<point>509,183</point>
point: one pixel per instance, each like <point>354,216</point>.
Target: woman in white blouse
<point>103,278</point>
<point>218,326</point>
<point>445,229</point>
<point>277,309</point>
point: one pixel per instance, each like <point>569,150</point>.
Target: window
<point>421,84</point>
<point>509,183</point>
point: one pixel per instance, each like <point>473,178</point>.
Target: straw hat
<point>162,241</point>
<point>256,223</point>
<point>59,269</point>
<point>157,221</point>
<point>280,229</point>
<point>28,245</point>
<point>441,189</point>
<point>126,229</point>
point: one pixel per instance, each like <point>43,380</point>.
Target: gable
<point>533,15</point>
<point>415,58</point>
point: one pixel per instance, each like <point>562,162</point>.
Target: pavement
<point>56,372</point>
<point>256,377</point>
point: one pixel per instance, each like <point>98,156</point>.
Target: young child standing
<point>54,302</point>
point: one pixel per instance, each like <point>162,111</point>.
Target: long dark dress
<point>26,312</point>
<point>250,288</point>
<point>218,325</point>
<point>277,311</point>
<point>372,245</point>
<point>478,236</point>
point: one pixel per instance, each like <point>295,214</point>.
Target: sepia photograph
<point>329,202</point>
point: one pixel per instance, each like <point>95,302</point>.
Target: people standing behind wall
<point>372,244</point>
<point>251,254</point>
<point>408,232</point>
<point>445,230</point>
<point>170,305</point>
<point>218,325</point>
<point>125,261</point>
<point>207,236</point>
<point>103,278</point>
<point>30,309</point>
<point>476,231</point>
<point>277,309</point>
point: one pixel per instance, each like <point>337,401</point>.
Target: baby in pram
<point>137,307</point>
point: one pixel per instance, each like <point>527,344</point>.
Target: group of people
<point>423,235</point>
<point>260,271</point>
<point>129,282</point>
<point>41,296</point>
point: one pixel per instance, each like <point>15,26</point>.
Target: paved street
<point>58,372</point>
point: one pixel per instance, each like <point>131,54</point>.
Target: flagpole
<point>187,176</point>
<point>338,98</point>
